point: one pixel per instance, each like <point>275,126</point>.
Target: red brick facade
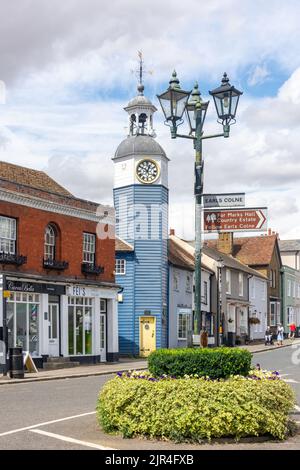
<point>31,224</point>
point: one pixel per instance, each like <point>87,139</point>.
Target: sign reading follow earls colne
<point>235,220</point>
<point>224,200</point>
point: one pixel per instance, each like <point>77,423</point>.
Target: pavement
<point>60,414</point>
<point>123,365</point>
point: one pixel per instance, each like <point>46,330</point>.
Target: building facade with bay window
<point>57,261</point>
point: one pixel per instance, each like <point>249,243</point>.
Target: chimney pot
<point>172,231</point>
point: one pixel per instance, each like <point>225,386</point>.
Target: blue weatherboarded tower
<point>141,203</point>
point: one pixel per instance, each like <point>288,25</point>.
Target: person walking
<point>280,331</point>
<point>292,328</point>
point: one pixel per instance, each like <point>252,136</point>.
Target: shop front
<point>76,321</point>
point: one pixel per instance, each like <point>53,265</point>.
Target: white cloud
<point>258,75</point>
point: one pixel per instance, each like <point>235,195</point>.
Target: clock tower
<point>141,203</point>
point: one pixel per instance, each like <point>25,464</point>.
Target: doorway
<point>147,335</point>
<point>54,329</point>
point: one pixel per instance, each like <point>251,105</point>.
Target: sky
<point>66,74</point>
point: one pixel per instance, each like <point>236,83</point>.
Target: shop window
<point>80,327</point>
<point>184,322</point>
<point>8,235</point>
<point>22,321</point>
<point>89,248</point>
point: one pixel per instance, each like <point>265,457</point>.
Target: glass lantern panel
<point>234,103</point>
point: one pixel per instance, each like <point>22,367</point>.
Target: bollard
<point>16,363</point>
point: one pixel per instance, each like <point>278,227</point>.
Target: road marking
<point>292,381</point>
<point>71,440</point>
<point>297,407</point>
<point>13,431</point>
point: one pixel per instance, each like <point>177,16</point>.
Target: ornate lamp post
<point>174,102</point>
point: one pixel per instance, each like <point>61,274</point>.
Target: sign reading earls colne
<point>237,220</point>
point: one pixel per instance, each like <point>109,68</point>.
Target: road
<point>60,414</point>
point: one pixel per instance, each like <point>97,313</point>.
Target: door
<point>53,329</point>
<point>147,336</point>
<point>102,337</point>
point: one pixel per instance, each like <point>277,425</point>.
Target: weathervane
<point>140,72</point>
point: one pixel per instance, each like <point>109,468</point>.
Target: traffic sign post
<point>236,220</point>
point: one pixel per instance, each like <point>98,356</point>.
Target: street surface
<point>60,414</point>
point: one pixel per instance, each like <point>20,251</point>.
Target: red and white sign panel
<point>237,220</point>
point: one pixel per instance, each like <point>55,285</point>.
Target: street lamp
<point>174,102</point>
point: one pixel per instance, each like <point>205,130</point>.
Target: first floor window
<point>204,296</point>
<point>184,325</point>
<point>89,248</point>
<point>8,235</point>
<point>80,325</point>
<point>228,281</point>
<point>121,266</point>
<point>50,241</point>
<point>188,286</point>
<point>241,284</point>
<point>23,321</point>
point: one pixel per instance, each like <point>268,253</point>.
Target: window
<point>274,313</point>
<point>289,288</point>
<point>89,248</point>
<point>80,325</point>
<point>241,284</point>
<point>184,325</point>
<point>22,321</point>
<point>50,242</point>
<point>294,289</point>
<point>273,278</point>
<point>290,315</point>
<point>8,235</point>
<point>103,313</point>
<point>228,281</point>
<point>252,288</point>
<point>175,281</point>
<point>204,296</point>
<point>188,287</point>
<point>264,292</point>
<point>120,266</point>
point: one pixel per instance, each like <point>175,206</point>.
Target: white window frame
<point>188,286</point>
<point>289,287</point>
<point>50,243</point>
<point>89,248</point>
<point>120,268</point>
<point>228,281</point>
<point>184,322</point>
<point>8,235</point>
<point>241,284</point>
<point>84,304</point>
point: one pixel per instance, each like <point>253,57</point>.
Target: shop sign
<point>39,288</point>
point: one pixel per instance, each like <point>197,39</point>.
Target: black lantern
<point>173,101</point>
<point>226,98</point>
<point>192,109</point>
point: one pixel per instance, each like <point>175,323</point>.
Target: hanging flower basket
<point>254,320</point>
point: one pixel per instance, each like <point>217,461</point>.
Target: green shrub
<point>194,409</point>
<point>213,362</point>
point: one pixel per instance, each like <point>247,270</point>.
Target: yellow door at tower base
<point>147,336</point>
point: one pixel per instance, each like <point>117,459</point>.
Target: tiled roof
<point>121,245</point>
<point>253,251</point>
<point>289,245</point>
<point>181,254</point>
<point>29,177</point>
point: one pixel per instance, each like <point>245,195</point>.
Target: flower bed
<point>215,362</point>
<point>192,408</point>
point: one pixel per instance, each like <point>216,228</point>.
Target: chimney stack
<point>225,243</point>
<point>172,231</point>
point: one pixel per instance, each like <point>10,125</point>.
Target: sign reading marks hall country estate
<point>237,220</point>
<point>224,200</point>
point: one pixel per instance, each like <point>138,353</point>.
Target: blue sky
<point>68,75</point>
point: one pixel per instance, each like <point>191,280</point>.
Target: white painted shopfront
<point>62,320</point>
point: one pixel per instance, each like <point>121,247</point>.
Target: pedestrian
<point>280,331</point>
<point>268,336</point>
<point>292,328</point>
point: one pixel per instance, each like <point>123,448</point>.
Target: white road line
<point>292,381</point>
<point>13,431</point>
<point>297,407</point>
<point>70,439</point>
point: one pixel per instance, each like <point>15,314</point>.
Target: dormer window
<point>50,243</point>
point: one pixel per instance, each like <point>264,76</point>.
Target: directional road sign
<point>235,220</point>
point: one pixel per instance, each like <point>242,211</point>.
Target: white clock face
<point>147,171</point>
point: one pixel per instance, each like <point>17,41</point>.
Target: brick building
<point>57,261</point>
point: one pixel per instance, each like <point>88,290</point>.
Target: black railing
<point>54,264</point>
<point>88,268</point>
<point>8,258</point>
